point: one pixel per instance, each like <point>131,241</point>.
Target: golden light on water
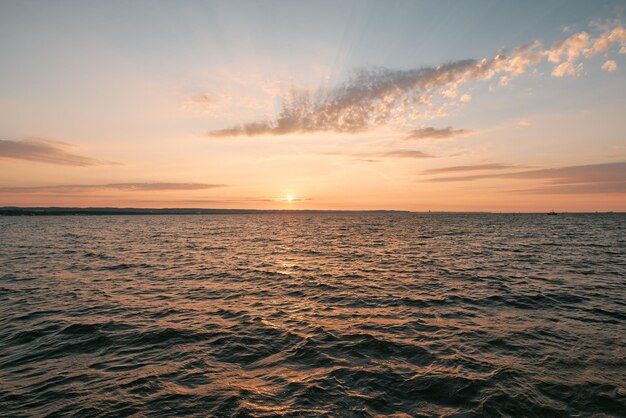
<point>328,208</point>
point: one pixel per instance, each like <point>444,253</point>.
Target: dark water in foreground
<point>313,315</point>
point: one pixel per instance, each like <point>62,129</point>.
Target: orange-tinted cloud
<point>566,54</point>
<point>610,66</point>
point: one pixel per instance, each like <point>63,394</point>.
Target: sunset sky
<point>413,105</point>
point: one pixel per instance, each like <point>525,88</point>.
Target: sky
<point>411,105</point>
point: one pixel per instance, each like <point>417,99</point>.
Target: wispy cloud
<point>221,201</point>
<point>406,153</point>
<point>376,96</point>
<point>45,151</point>
<point>583,188</point>
<point>201,102</point>
<point>134,187</point>
<point>465,168</point>
<point>373,156</point>
<point>592,178</point>
<point>430,133</point>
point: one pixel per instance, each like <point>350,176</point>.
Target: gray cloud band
<point>580,179</point>
<point>44,151</point>
<point>84,188</point>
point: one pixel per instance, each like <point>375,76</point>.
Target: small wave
<point>332,315</point>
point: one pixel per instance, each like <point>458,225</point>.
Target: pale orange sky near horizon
<point>365,105</point>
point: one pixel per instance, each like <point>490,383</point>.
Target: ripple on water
<point>313,315</point>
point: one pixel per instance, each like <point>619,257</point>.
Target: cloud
<point>368,154</point>
<point>406,153</point>
<point>567,53</point>
<point>435,133</point>
<point>377,96</point>
<point>610,66</point>
<point>584,188</point>
<point>464,168</point>
<point>250,129</point>
<point>608,177</point>
<point>520,59</point>
<point>201,102</point>
<point>567,68</point>
<point>134,187</point>
<point>222,201</point>
<point>466,98</point>
<point>371,97</point>
<point>569,49</point>
<point>45,151</point>
<point>603,42</point>
<point>373,157</point>
<point>202,99</point>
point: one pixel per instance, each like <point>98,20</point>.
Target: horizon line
<point>194,211</point>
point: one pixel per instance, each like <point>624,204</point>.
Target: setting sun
<point>312,208</point>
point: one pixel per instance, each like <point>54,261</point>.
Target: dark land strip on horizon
<point>65,211</point>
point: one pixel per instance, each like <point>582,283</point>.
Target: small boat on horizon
<point>552,213</point>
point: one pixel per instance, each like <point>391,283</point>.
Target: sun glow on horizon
<point>319,112</point>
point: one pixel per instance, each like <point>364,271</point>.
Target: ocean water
<point>313,315</point>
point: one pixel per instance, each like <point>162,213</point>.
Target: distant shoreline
<point>95,211</point>
<point>62,211</point>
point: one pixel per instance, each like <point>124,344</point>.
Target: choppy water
<point>313,315</point>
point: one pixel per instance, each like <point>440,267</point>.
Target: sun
<point>289,198</point>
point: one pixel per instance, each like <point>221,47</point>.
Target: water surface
<point>313,315</point>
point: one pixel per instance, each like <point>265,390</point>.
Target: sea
<point>313,315</point>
